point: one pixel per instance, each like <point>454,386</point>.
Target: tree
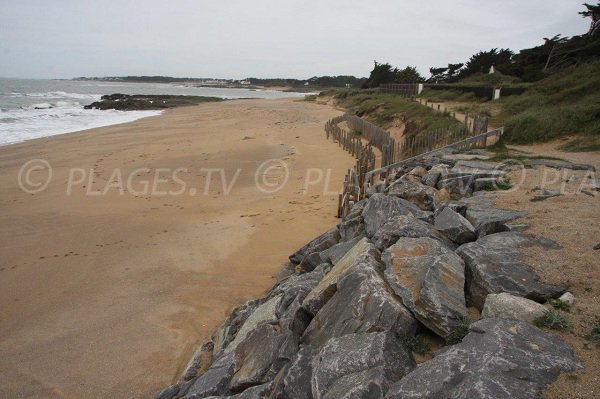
<point>484,60</point>
<point>592,12</point>
<point>437,74</point>
<point>381,73</point>
<point>385,73</point>
<point>447,74</point>
<point>408,75</point>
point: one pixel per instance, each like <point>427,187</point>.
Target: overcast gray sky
<point>264,38</point>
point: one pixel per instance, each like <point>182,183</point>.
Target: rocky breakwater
<point>139,102</point>
<point>421,259</point>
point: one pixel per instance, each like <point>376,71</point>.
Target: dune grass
<point>382,109</point>
<point>564,104</point>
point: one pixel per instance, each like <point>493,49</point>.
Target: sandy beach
<point>136,251</point>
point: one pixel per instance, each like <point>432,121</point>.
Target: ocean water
<point>34,108</point>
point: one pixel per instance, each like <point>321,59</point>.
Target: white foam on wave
<point>55,94</point>
<point>18,125</point>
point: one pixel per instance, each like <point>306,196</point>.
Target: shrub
<point>563,104</point>
<point>459,332</point>
<point>560,305</point>
<point>414,343</point>
<point>552,319</point>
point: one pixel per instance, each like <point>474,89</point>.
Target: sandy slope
<point>106,295</point>
<point>573,221</point>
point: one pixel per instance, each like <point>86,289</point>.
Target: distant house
<point>492,70</point>
<point>244,82</point>
<point>306,83</point>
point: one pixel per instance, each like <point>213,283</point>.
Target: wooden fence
<point>376,136</point>
<point>393,153</point>
<point>476,124</point>
<point>354,181</point>
<point>403,89</point>
<point>480,140</point>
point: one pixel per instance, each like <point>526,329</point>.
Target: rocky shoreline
<point>140,102</point>
<point>419,260</point>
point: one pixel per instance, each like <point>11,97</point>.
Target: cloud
<point>264,38</point>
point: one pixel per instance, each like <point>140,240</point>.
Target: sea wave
<point>18,125</point>
<point>55,94</point>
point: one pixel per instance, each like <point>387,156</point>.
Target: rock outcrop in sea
<point>140,102</point>
<point>348,308</point>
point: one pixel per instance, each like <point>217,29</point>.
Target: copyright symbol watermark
<point>271,176</point>
<point>518,169</point>
<point>35,175</point>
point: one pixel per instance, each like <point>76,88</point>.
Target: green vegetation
<point>540,198</point>
<point>450,94</point>
<point>583,144</point>
<point>501,185</point>
<point>414,343</point>
<point>503,153</point>
<point>565,104</point>
<point>382,109</point>
<point>459,332</point>
<point>315,81</point>
<point>553,319</point>
<point>531,64</point>
<point>479,109</point>
<point>310,97</point>
<point>560,305</point>
<point>385,73</point>
<point>496,79</point>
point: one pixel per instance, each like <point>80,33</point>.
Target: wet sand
<point>107,286</point>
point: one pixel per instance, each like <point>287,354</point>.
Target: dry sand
<point>573,221</point>
<point>107,295</point>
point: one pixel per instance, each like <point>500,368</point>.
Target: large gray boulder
<point>256,392</point>
<point>338,251</point>
<point>498,359</point>
<point>508,306</point>
<point>199,362</point>
<point>266,312</point>
<point>435,173</point>
<point>296,383</point>
<point>494,265</point>
<point>489,220</point>
<point>359,366</point>
<point>470,165</point>
<point>297,286</point>
<point>430,279</point>
<point>454,226</point>
<point>362,302</point>
<point>404,226</point>
<point>215,381</point>
<point>415,192</point>
<point>360,256</point>
<point>380,208</point>
<point>261,355</point>
<point>351,228</point>
<point>461,184</point>
<point>321,243</point>
<point>227,332</point>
